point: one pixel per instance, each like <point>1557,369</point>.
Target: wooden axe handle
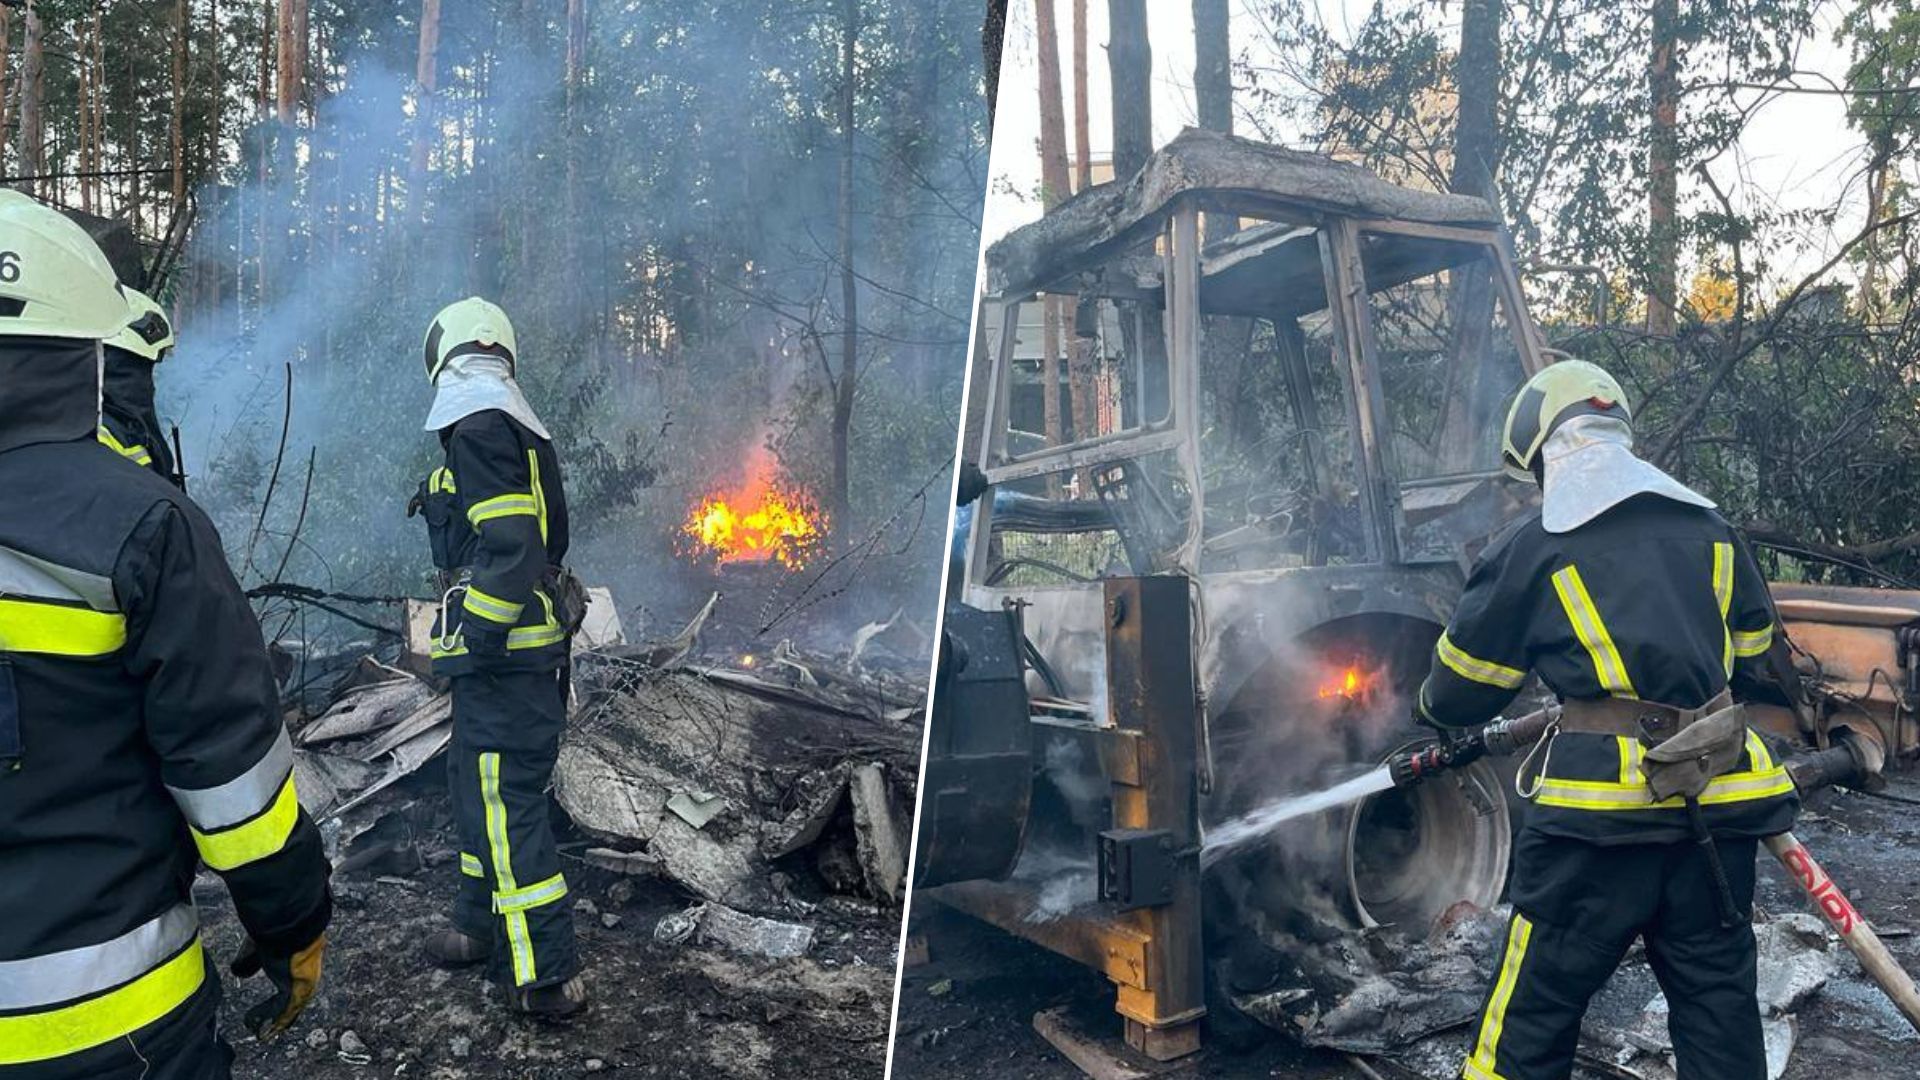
<point>1852,927</point>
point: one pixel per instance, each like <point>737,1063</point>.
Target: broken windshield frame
<point>1241,276</point>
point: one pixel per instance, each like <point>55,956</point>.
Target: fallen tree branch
<point>306,594</point>
<point>1733,355</point>
<point>1763,533</point>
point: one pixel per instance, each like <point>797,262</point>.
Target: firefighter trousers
<point>1578,907</point>
<point>506,736</point>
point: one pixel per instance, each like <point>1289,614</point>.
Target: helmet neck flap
<point>49,390</point>
<point>476,382</point>
<point>1591,468</point>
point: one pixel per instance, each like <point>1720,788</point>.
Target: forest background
<point>1715,199</point>
<point>737,241</point>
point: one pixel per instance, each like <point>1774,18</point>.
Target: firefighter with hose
<point>497,526</point>
<point>1639,606</point>
<point>140,729</point>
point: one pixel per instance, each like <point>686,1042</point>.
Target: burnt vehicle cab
<point>1212,559</point>
<point>1278,381</point>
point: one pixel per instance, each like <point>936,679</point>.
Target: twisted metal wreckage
<point>1199,603</point>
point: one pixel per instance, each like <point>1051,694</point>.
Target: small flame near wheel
<point>1350,683</point>
<point>760,522</point>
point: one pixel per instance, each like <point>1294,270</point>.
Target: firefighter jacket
<point>1653,600</point>
<point>140,735</point>
<point>129,424</point>
<point>497,524</point>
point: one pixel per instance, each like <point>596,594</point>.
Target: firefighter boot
<point>451,948</point>
<point>554,1001</point>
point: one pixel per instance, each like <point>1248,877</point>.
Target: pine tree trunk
<point>33,135</point>
<point>575,69</point>
<point>212,158</point>
<point>1879,171</point>
<point>1055,184</point>
<point>1082,138</point>
<point>263,164</point>
<point>426,79</point>
<point>291,49</point>
<point>6,41</point>
<point>87,133</point>
<point>844,385</point>
<point>993,33</point>
<point>1663,241</point>
<point>1212,66</point>
<point>177,107</point>
<point>1470,301</point>
<point>1130,63</point>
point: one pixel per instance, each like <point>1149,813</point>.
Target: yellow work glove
<point>295,979</point>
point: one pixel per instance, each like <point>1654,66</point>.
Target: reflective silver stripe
<point>243,796</point>
<point>24,575</point>
<point>41,981</point>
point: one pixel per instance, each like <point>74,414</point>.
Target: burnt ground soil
<point>658,1010</point>
<point>968,1012</point>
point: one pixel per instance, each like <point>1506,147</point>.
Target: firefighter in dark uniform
<point>129,424</point>
<point>497,525</point>
<point>1638,605</point>
<point>140,730</point>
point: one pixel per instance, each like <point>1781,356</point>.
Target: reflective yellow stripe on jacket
<point>136,453</point>
<point>69,1001</point>
<point>1723,595</point>
<point>1751,643</point>
<point>490,607</point>
<point>1591,629</point>
<point>59,629</point>
<point>539,493</point>
<point>1468,666</point>
<point>248,818</point>
<point>503,506</point>
<point>1762,779</point>
<point>255,839</point>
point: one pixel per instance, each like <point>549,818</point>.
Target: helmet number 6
<point>9,266</point>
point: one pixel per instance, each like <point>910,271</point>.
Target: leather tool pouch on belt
<point>569,595</point>
<point>437,506</point>
<point>1684,763</point>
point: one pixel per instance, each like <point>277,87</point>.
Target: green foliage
<point>1791,399</point>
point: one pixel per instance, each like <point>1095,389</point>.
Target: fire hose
<point>1845,762</point>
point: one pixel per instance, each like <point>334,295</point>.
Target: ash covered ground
<point>659,1010</point>
<point>732,825</point>
<point>969,1011</point>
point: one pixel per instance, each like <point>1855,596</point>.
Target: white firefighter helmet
<point>466,327</point>
<point>150,333</point>
<point>1570,423</point>
<point>54,280</point>
<point>1556,393</point>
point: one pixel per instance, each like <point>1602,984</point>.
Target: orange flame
<point>1350,684</point>
<point>760,524</point>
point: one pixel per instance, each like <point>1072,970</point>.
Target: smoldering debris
<point>1379,993</point>
<point>738,931</point>
<point>1628,1023</point>
<point>776,798</point>
<point>1373,992</point>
